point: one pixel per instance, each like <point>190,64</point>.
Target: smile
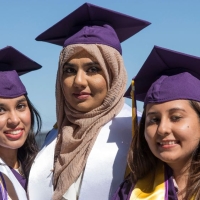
<point>168,142</point>
<point>14,132</point>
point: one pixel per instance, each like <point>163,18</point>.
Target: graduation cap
<point>12,59</point>
<point>167,75</point>
<point>12,64</point>
<point>91,24</point>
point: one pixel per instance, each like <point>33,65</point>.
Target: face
<point>172,131</point>
<point>84,83</point>
<point>15,123</point>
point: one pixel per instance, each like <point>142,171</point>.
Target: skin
<point>84,83</point>
<point>14,116</point>
<point>172,131</point>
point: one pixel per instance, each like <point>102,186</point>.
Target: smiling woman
<point>18,147</point>
<point>15,122</point>
<point>165,152</point>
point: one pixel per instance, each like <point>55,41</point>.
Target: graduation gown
<point>168,192</point>
<point>105,167</point>
<point>10,187</point>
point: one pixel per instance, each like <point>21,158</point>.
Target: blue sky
<point>175,25</point>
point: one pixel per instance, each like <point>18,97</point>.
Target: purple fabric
<point>96,35</point>
<point>170,184</point>
<point>20,178</point>
<point>168,88</point>
<point>3,190</point>
<point>174,75</point>
<point>11,85</point>
<point>125,189</point>
<point>12,59</point>
<point>91,24</point>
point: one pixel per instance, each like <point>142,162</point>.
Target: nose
<point>164,128</point>
<point>13,119</point>
<point>80,80</point>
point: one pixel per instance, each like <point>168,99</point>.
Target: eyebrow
<point>170,110</point>
<point>18,101</point>
<point>175,109</point>
<point>22,99</point>
<point>151,113</point>
<point>67,64</point>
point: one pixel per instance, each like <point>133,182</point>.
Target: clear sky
<point>175,25</point>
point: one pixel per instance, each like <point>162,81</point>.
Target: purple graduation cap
<point>167,75</point>
<point>91,24</point>
<point>12,64</point>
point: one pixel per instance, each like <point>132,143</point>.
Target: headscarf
<point>77,131</point>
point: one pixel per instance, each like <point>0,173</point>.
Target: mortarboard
<point>12,59</point>
<point>12,64</point>
<point>91,24</point>
<point>167,75</point>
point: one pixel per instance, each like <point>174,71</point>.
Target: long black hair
<point>28,151</point>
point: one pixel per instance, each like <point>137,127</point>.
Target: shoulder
<point>50,137</point>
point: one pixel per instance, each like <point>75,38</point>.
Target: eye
<point>69,70</point>
<point>2,110</point>
<point>152,120</point>
<point>175,118</point>
<point>94,69</point>
<point>21,106</point>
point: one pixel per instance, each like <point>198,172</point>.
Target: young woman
<point>18,117</point>
<point>165,154</point>
<point>84,157</point>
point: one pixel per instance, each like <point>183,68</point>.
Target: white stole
<point>21,193</point>
<point>105,166</point>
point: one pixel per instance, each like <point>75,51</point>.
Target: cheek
<point>26,119</point>
<point>3,121</point>
<point>66,85</point>
<point>99,83</point>
<point>149,132</point>
<point>149,135</point>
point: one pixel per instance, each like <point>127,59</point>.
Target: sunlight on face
<point>172,131</point>
<point>84,83</point>
<point>15,123</point>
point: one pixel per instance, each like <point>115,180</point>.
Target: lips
<point>14,134</point>
<point>82,95</point>
<point>168,143</point>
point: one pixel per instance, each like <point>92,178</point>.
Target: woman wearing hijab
<point>85,153</point>
<point>18,117</point>
<point>164,155</point>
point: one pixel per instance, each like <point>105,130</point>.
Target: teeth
<point>168,143</point>
<point>13,132</point>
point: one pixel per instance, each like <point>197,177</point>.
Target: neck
<point>10,158</point>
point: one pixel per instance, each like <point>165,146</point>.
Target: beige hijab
<point>78,131</point>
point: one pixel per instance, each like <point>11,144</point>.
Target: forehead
<point>11,100</point>
<point>82,55</point>
<point>169,105</point>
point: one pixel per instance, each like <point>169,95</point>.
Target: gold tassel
<point>134,118</point>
